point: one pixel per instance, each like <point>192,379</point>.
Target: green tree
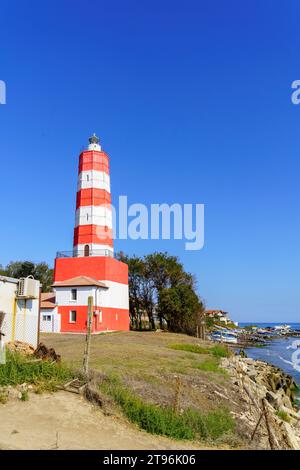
<point>39,271</point>
<point>158,284</point>
<point>180,307</point>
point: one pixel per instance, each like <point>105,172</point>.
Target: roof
<point>9,279</point>
<point>80,281</point>
<point>48,300</point>
<point>216,312</point>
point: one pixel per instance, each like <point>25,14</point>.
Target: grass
<point>18,369</point>
<point>211,364</point>
<point>217,351</point>
<point>190,424</point>
<point>283,415</point>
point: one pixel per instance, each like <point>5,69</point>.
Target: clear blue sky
<point>192,102</point>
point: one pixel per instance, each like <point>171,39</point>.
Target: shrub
<point>210,364</point>
<point>220,350</point>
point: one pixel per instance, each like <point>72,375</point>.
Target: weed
<point>283,415</point>
<point>154,419</point>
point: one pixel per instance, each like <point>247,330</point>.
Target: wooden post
<point>177,394</point>
<point>86,355</point>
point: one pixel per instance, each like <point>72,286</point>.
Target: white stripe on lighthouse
<point>93,179</point>
<point>93,215</point>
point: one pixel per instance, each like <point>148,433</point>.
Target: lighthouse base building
<point>90,269</point>
<point>105,279</point>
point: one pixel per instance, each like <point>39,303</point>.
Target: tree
<point>39,271</point>
<point>180,307</point>
<point>158,284</point>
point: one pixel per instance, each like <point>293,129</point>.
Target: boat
<point>282,327</point>
<point>224,337</point>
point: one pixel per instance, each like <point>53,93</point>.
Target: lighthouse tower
<point>93,224</point>
<point>90,269</point>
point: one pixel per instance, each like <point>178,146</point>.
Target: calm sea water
<point>277,352</point>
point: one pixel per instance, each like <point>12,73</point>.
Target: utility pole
<point>86,355</point>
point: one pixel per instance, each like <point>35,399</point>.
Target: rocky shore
<point>270,417</point>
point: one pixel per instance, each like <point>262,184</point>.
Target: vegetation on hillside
<point>189,424</point>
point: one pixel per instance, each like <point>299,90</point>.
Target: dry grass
<point>145,363</point>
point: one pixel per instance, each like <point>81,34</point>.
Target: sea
<point>281,352</point>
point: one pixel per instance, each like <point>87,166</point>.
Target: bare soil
<point>67,421</point>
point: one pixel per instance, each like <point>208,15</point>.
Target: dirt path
<point>66,421</point>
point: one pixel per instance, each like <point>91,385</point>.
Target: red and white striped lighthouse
<point>90,269</point>
<point>93,224</point>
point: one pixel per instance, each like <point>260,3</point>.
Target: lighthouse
<point>90,268</point>
<point>93,224</point>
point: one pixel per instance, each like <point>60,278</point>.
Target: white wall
<point>52,325</point>
<point>22,316</point>
<point>116,296</point>
<point>63,295</point>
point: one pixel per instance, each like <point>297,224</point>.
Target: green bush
<point>154,419</point>
<point>19,369</point>
<point>211,364</point>
<point>220,351</point>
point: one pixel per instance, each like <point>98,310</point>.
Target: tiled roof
<point>80,281</point>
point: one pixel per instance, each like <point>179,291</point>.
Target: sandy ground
<point>67,421</point>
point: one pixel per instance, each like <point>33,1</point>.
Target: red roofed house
<point>90,269</point>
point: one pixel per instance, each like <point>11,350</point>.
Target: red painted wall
<point>98,267</point>
<point>109,320</point>
<point>93,234</point>
<point>93,197</point>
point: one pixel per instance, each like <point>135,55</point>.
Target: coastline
<point>270,416</point>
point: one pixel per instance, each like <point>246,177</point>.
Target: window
<point>73,294</point>
<point>116,316</point>
<point>46,317</point>
<point>72,316</point>
<point>86,250</point>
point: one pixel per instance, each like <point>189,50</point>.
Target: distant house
<point>50,318</point>
<point>218,315</point>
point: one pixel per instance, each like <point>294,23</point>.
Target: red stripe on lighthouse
<point>92,197</point>
<point>93,234</point>
<point>93,160</point>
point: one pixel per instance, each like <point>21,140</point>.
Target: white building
<point>19,310</point>
<point>50,318</point>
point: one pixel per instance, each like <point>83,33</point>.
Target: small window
<point>73,316</point>
<point>46,317</point>
<point>117,317</point>
<point>88,177</point>
<point>100,316</point>
<point>73,294</point>
<point>87,250</point>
